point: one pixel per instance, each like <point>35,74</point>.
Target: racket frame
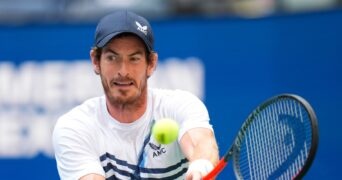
<point>235,147</point>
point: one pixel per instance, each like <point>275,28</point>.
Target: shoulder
<point>75,140</point>
<point>174,95</point>
<point>184,107</point>
<point>177,101</point>
<point>80,118</point>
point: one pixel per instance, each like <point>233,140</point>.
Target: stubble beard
<point>122,100</point>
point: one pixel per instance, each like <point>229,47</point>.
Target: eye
<point>135,59</point>
<point>111,57</point>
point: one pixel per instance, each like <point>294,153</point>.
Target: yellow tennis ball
<point>165,131</point>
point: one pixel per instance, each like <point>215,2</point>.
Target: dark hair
<point>98,50</point>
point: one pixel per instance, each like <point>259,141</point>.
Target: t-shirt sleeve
<point>74,150</point>
<point>190,112</point>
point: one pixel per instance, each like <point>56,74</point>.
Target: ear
<point>153,64</point>
<point>95,61</point>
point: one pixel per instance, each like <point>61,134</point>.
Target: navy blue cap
<point>123,22</point>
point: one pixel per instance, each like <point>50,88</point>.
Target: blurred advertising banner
<point>34,94</point>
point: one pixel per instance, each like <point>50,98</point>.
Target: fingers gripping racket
<point>278,140</point>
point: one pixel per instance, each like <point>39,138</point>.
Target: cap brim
<point>105,40</point>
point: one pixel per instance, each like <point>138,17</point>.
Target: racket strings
<point>280,130</point>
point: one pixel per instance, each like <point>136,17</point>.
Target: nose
<point>123,69</point>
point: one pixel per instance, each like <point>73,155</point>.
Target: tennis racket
<point>278,140</point>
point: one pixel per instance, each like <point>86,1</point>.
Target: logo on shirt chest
<point>157,150</point>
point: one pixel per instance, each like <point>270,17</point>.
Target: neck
<point>128,112</point>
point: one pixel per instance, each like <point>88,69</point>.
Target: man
<point>109,137</point>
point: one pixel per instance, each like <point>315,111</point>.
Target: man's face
<point>124,70</point>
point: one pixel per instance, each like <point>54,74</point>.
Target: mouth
<point>123,83</point>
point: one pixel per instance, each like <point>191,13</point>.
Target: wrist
<point>203,166</point>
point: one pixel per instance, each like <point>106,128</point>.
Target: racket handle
<point>217,169</point>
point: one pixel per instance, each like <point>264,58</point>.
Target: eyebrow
<point>106,50</point>
<point>138,52</point>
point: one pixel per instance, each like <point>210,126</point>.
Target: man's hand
<point>199,168</point>
<point>194,175</point>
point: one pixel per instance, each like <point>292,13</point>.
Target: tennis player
<point>109,137</point>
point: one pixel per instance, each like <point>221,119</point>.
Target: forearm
<point>200,147</point>
<point>200,143</point>
<point>205,149</point>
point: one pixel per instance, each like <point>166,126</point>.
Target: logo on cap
<point>141,28</point>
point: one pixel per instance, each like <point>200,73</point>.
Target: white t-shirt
<point>88,140</point>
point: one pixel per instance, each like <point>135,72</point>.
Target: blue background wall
<point>246,61</point>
